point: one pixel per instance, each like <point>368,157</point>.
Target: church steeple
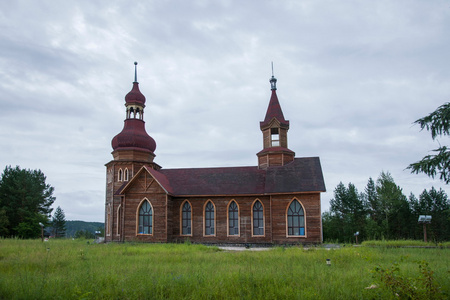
<point>274,128</point>
<point>133,142</point>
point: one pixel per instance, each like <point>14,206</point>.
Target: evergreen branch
<point>434,164</point>
<point>438,122</point>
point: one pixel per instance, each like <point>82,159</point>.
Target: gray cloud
<point>352,77</point>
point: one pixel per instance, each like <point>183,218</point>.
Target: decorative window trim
<point>137,218</point>
<point>274,137</point>
<point>204,219</point>
<point>304,219</point>
<point>181,218</point>
<point>120,175</point>
<point>264,218</point>
<point>238,219</point>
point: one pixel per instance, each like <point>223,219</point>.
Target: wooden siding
<point>311,205</point>
<point>274,159</point>
<point>221,220</point>
<point>133,155</point>
<point>122,226</point>
<point>147,188</point>
<point>274,219</point>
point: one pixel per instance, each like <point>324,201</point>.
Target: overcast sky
<point>353,76</point>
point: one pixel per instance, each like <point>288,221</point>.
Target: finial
<point>135,71</point>
<point>273,81</point>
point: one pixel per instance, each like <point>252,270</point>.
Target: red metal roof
<point>135,96</point>
<point>275,149</point>
<point>133,135</point>
<point>301,175</point>
<point>274,111</point>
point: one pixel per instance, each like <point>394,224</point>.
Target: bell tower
<point>132,149</point>
<point>133,143</point>
<point>274,129</point>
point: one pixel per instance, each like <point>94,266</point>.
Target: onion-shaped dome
<point>135,96</point>
<point>134,136</point>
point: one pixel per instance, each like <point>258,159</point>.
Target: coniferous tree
<point>438,123</point>
<point>347,214</point>
<point>372,200</point>
<point>25,199</point>
<point>416,232</point>
<point>386,212</point>
<point>374,215</point>
<point>4,223</point>
<point>394,208</point>
<point>436,204</point>
<point>59,223</point>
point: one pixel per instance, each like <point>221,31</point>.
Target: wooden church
<point>275,202</point>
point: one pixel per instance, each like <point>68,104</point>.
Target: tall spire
<point>274,128</point>
<point>274,109</point>
<point>273,81</point>
<point>135,71</point>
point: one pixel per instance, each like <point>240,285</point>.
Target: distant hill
<point>74,226</point>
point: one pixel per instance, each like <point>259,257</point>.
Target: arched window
<point>120,175</point>
<point>145,218</point>
<point>258,218</point>
<point>233,219</point>
<point>125,175</point>
<point>138,113</point>
<point>295,219</point>
<point>186,218</point>
<point>209,218</point>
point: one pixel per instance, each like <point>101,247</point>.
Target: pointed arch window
<point>233,218</point>
<point>120,175</point>
<point>125,175</point>
<point>209,218</point>
<point>258,218</point>
<point>186,218</point>
<point>145,225</point>
<point>295,219</point>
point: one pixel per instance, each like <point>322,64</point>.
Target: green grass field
<point>76,269</point>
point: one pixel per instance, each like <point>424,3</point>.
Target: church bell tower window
<point>275,137</point>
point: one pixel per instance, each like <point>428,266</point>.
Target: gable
<point>143,182</point>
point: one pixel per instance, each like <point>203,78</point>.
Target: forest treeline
<point>82,229</point>
<point>382,211</point>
